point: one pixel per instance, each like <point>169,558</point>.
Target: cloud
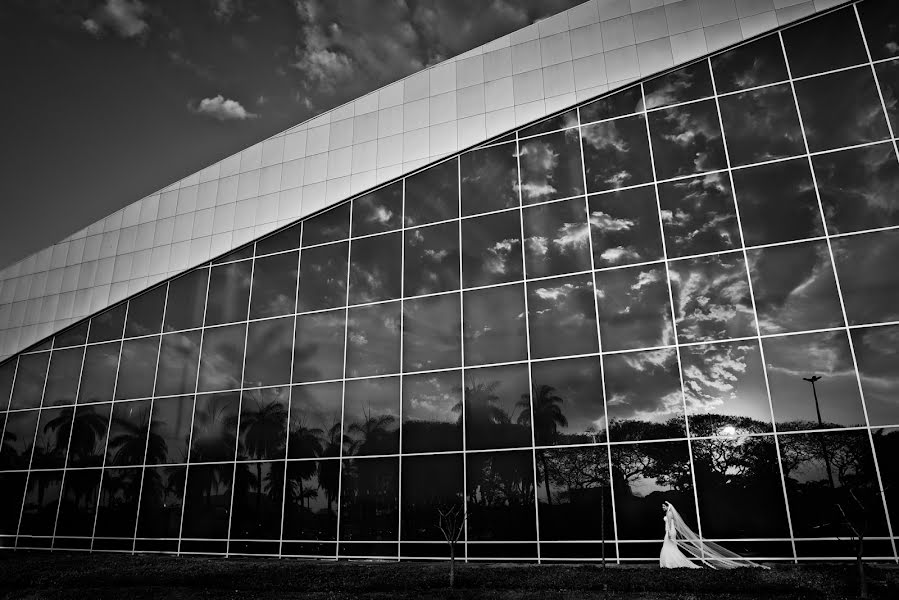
<point>125,18</point>
<point>221,109</point>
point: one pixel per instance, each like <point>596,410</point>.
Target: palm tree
<point>329,470</point>
<point>88,428</point>
<point>129,445</point>
<point>373,430</point>
<point>263,435</point>
<point>61,427</point>
<point>548,417</point>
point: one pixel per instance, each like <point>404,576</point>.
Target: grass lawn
<point>61,576</point>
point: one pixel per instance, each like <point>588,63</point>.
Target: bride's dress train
<point>679,536</point>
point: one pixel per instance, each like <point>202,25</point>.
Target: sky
<point>106,101</point>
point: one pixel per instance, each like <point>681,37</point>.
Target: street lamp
<point>812,380</point>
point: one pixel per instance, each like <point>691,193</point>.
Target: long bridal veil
<point>709,553</point>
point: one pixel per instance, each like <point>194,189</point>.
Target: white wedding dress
<point>679,538</point>
<point>671,556</point>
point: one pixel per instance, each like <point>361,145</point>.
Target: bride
<point>678,536</point>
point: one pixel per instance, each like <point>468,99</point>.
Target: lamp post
<point>812,380</point>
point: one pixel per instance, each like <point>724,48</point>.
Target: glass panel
<point>498,407</point>
<point>286,239</point>
<point>432,329</point>
<point>108,325</point>
<point>686,139</point>
<point>379,211</point>
<point>501,496</point>
<point>643,396</point>
<point>137,368</point>
<point>170,430</point>
<point>145,313</point>
<point>491,249</point>
<point>128,433</point>
<point>13,485</point>
<point>178,359</point>
<point>258,492</point>
<point>18,439</point>
<point>750,65</point>
<point>551,167</point>
<point>269,349</point>
<point>698,215</point>
<point>369,504</point>
<point>689,83</point>
<point>52,440</point>
<point>98,375</point>
<point>41,502</point>
<point>869,293</point>
<point>616,153</point>
<point>432,412</point>
<point>711,298</point>
<point>315,429</point>
<point>310,512</point>
<point>323,274</point>
<point>886,444</point>
<point>78,506</point>
<point>88,438</point>
<point>761,125</point>
<point>824,43</point>
<point>562,121</point>
<point>634,308</point>
<point>240,253</point>
<point>318,349</point>
<point>207,501</point>
<point>221,361</point>
<point>372,411</point>
<point>562,316</point>
<point>489,179</point>
<point>229,293</point>
<point>832,400</point>
<point>888,77</point>
<point>30,376</point>
<point>7,374</point>
<point>214,427</point>
<point>74,336</point>
<point>263,425</point>
<point>430,484</point>
<point>375,268</point>
<point>625,227</point>
<point>62,377</point>
<point>160,502</point>
<point>567,398</point>
<point>878,367</point>
<point>623,102</point>
<point>494,325</point>
<point>117,509</point>
<point>794,288</point>
<point>186,301</point>
<point>432,259</point>
<point>556,238</point>
<point>433,194</point>
<point>274,285</point>
<point>878,20</point>
<point>328,226</point>
<point>373,340</point>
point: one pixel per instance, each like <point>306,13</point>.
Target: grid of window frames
<point>680,292</point>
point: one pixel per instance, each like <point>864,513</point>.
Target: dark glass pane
<point>323,275</point>
<point>214,427</point>
<point>52,440</point>
<point>878,369</point>
<point>274,285</point>
<point>41,502</point>
<point>178,359</point>
<point>241,253</point>
<point>859,188</point>
<point>869,293</point>
<point>258,493</point>
<point>879,18</point>
<point>221,361</point>
<point>645,475</point>
<point>318,349</point>
<point>287,239</point>
<point>379,211</point>
<point>369,504</point>
<point>841,109</point>
<point>551,167</point>
<point>625,227</point>
<point>777,202</point>
<point>794,288</point>
<point>62,377</point>
<point>78,506</point>
<point>329,226</point>
<point>108,325</point>
<point>7,374</point>
<point>616,153</point>
<point>372,416</point>
<point>160,503</point>
<point>494,326</point>
<point>315,429</point>
<point>170,430</point>
<point>186,301</point>
<point>207,501</point>
<point>269,348</point>
<point>18,439</point>
<point>824,43</point>
<point>573,494</point>
<point>263,425</point>
<point>432,412</point>
<point>98,375</point>
<point>750,65</point>
<point>623,102</point>
<point>698,215</point>
<point>128,433</point>
<point>567,399</point>
<point>310,511</point>
<point>430,484</point>
<point>30,376</point>
<point>761,125</point>
<point>117,509</point>
<point>739,488</point>
<point>888,77</point>
<point>433,194</point>
<point>689,83</point>
<point>834,396</point>
<point>643,396</point>
<point>686,139</point>
<point>145,313</point>
<point>137,368</point>
<point>491,249</point>
<point>88,438</point>
<point>432,330</point>
<point>886,445</point>
<point>556,238</point>
<point>497,407</point>
<point>74,336</point>
<point>562,316</point>
<point>373,340</point>
<point>431,259</point>
<point>13,485</point>
<point>375,268</point>
<point>634,308</point>
<point>489,179</point>
<point>501,496</point>
<point>229,292</point>
<point>562,121</point>
<point>711,298</point>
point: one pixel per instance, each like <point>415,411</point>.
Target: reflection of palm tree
<point>88,428</point>
<point>61,424</point>
<point>548,417</point>
<point>131,444</point>
<point>211,425</point>
<point>264,432</point>
<point>372,431</point>
<point>329,470</point>
<point>481,406</point>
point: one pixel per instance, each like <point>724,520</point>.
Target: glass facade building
<point>679,291</point>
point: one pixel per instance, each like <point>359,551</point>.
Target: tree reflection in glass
<point>634,308</point>
<point>886,446</point>
<point>214,427</point>
<point>625,227</point>
<point>432,412</point>
<point>88,437</point>
<point>315,429</point>
<point>556,238</point>
<point>52,438</point>
<point>263,424</point>
<point>571,483</point>
<point>40,504</point>
<point>207,501</point>
<point>258,490</point>
<point>78,504</point>
<point>550,167</point>
<point>498,407</point>
<point>171,426</point>
<point>128,434</point>
<point>370,499</point>
<point>117,508</point>
<point>18,439</point>
<point>160,503</point>
<point>310,509</point>
<point>562,316</point>
<point>567,396</point>
<point>500,495</point>
<point>372,416</point>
